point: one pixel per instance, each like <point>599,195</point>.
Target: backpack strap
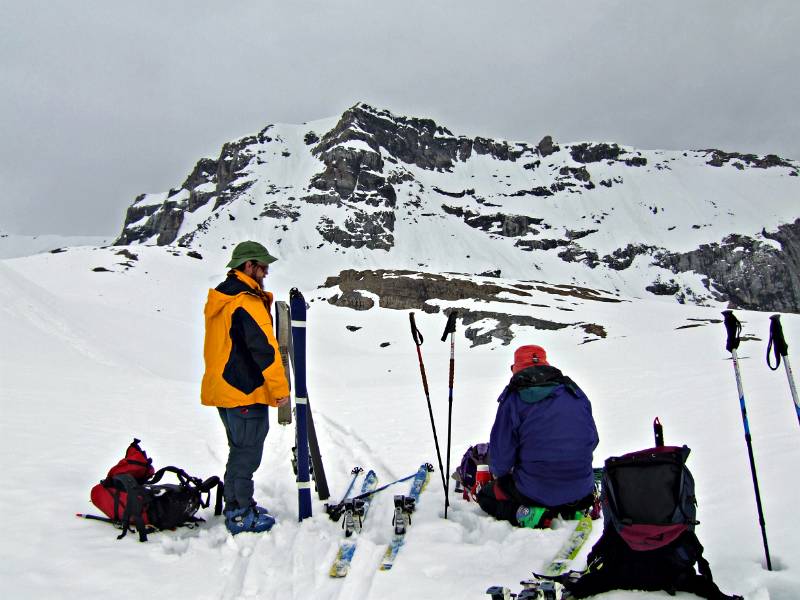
<point>206,487</point>
<point>703,584</point>
<point>183,477</point>
<point>134,505</point>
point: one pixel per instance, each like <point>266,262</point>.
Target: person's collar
<point>537,375</point>
<point>246,279</point>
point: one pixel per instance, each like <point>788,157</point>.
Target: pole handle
<point>733,328</point>
<point>451,324</point>
<point>415,333</point>
<point>658,432</point>
<point>776,342</point>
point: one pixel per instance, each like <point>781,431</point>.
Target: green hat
<point>245,251</point>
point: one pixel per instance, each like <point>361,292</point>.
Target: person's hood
<point>535,384</point>
<point>229,291</point>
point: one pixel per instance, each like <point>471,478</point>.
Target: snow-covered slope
<point>14,245</point>
<point>100,347</point>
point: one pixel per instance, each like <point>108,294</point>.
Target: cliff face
<point>394,188</point>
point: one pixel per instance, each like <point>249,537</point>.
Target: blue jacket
<point>544,435</point>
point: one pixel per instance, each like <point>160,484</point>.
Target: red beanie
<point>529,356</point>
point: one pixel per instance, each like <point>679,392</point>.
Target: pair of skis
<point>542,586</point>
<point>353,511</point>
<point>290,327</point>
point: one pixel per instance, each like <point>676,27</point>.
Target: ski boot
<point>534,589</point>
<point>531,517</point>
<point>248,519</point>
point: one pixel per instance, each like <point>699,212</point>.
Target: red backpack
<point>131,495</point>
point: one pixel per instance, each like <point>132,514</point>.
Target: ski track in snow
<point>248,574</point>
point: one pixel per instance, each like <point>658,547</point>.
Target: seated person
<point>540,449</point>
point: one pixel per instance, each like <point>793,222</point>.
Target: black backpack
<point>648,541</point>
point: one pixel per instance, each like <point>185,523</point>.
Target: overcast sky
<point>103,100</point>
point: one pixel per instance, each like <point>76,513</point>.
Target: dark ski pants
<point>246,428</point>
<point>501,499</point>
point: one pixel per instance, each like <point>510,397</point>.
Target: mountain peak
<point>373,186</point>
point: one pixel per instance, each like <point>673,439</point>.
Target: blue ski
<point>403,507</point>
<point>354,512</point>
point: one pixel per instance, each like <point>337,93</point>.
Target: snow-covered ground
<point>14,245</point>
<point>91,359</point>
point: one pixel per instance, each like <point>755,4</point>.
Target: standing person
<point>540,449</point>
<point>243,376</point>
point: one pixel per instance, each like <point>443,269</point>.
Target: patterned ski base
<point>417,485</point>
<point>347,547</point>
<point>570,549</point>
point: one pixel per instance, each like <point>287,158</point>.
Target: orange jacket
<point>243,362</point>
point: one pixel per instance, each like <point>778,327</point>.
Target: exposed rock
<point>372,230</point>
<point>589,153</point>
<point>352,299</point>
<point>539,191</point>
<point>546,147</point>
<point>420,142</point>
<point>720,158</point>
<point>127,254</point>
<point>622,258</point>
<point>749,274</point>
<point>461,194</point>
<point>576,235</point>
<point>499,223</point>
<point>579,173</point>
<point>502,327</point>
<point>403,290</point>
<point>549,244</point>
<point>275,210</point>
<point>662,288</point>
<point>575,253</point>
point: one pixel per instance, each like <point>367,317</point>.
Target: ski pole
<point>355,472</point>
<point>96,518</point>
<point>117,524</point>
<point>734,329</point>
<point>451,329</point>
<point>418,339</point>
<point>335,510</point>
<point>781,348</point>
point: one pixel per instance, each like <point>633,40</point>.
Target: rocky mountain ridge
<point>369,187</point>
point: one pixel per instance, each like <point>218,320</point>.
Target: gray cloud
<point>100,101</point>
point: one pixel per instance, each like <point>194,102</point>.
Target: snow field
<point>92,359</point>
